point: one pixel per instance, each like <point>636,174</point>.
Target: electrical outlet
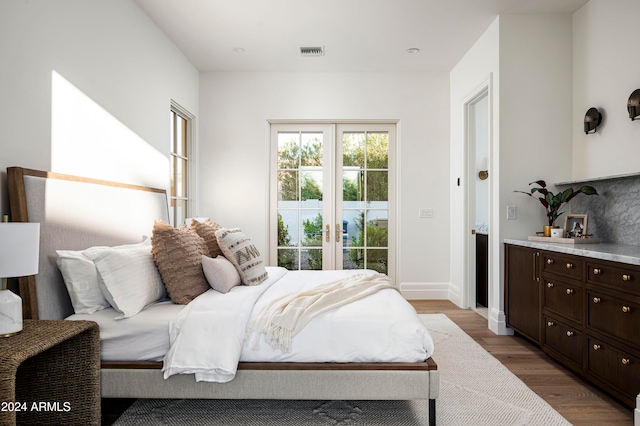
<point>511,213</point>
<point>425,213</point>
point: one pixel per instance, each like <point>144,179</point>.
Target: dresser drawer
<point>617,317</point>
<point>563,339</point>
<point>563,297</point>
<point>614,366</point>
<point>567,266</point>
<point>614,275</point>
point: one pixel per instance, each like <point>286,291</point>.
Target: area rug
<point>475,389</point>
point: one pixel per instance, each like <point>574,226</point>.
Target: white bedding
<point>383,327</point>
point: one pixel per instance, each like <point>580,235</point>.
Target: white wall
<point>235,108</point>
<point>605,72</point>
<point>476,69</point>
<point>530,58</point>
<point>86,89</point>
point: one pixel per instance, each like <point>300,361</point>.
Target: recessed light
<point>238,49</point>
<point>413,50</point>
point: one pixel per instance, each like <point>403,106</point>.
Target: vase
<point>547,230</point>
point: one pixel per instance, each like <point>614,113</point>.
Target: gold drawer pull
<point>597,271</point>
<point>626,361</point>
<point>549,261</point>
<point>549,285</point>
<point>569,291</point>
<point>569,265</point>
<point>569,333</point>
<point>596,347</point>
<point>550,324</point>
<point>597,300</point>
<point>626,277</point>
<point>626,309</point>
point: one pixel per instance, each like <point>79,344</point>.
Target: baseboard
<point>636,412</point>
<point>425,291</point>
<point>498,323</point>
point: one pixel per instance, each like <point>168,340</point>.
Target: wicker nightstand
<point>50,374</point>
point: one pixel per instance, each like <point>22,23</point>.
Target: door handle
<point>328,231</point>
<point>338,233</point>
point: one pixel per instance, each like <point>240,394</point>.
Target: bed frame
<point>76,213</point>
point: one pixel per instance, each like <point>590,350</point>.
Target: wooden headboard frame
<point>75,213</point>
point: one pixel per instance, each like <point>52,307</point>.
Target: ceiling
<point>357,35</point>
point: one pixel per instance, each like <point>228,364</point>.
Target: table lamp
<point>19,247</point>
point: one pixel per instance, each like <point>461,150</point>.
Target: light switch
<point>511,213</point>
<point>426,213</point>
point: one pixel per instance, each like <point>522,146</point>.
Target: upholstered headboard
<point>76,213</point>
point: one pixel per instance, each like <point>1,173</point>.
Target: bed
<point>76,213</point>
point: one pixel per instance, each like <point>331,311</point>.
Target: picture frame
<point>575,225</point>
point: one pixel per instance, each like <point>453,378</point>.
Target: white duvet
<point>208,337</point>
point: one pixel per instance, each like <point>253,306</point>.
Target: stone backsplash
<point>614,214</point>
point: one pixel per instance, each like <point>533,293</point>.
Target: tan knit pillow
<point>177,253</point>
<point>240,251</point>
<point>207,230</point>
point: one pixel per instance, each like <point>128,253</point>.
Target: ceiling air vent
<point>312,51</point>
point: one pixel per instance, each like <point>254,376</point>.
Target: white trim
<point>496,317</point>
<point>425,291</point>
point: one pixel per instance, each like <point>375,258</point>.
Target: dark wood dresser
<point>583,311</point>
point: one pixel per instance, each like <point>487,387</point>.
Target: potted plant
<point>553,203</point>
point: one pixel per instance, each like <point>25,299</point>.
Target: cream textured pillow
<point>178,254</point>
<point>207,230</point>
<point>240,251</point>
<point>221,274</point>
<point>129,279</point>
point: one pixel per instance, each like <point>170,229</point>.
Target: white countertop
<point>603,251</point>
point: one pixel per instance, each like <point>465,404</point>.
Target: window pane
<point>312,227</point>
<point>288,258</point>
<point>311,259</point>
<point>311,154</point>
<point>377,186</point>
<point>353,150</point>
<point>178,211</point>
<point>355,228</point>
<point>377,150</point>
<point>377,259</point>
<point>288,223</point>
<point>180,177</point>
<point>377,228</point>
<point>311,185</point>
<point>288,186</point>
<point>352,185</point>
<point>288,150</point>
<point>353,259</point>
<point>180,142</point>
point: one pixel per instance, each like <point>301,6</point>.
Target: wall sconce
<point>484,173</point>
<point>592,120</point>
<point>633,105</point>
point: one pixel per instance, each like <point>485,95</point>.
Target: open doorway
<point>478,155</point>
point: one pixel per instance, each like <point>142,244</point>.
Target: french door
<point>333,196</point>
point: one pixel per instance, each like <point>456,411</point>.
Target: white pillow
<point>221,274</point>
<point>81,278</point>
<point>128,277</point>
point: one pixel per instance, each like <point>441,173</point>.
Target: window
<point>332,196</point>
<point>182,164</point>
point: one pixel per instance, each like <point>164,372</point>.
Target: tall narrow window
<point>180,199</point>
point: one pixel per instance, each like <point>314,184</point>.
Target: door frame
<point>469,279</point>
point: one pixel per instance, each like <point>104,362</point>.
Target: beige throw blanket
<point>282,319</point>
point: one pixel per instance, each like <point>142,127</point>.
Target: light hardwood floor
<point>575,399</point>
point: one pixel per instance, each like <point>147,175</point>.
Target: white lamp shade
<point>19,248</point>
